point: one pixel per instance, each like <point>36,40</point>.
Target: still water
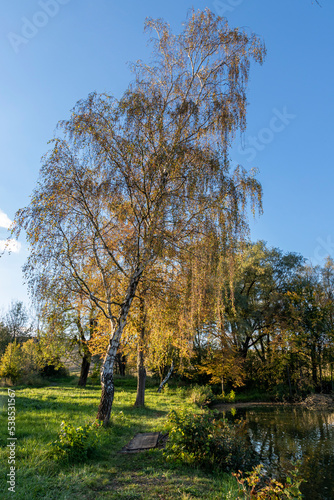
<point>281,433</point>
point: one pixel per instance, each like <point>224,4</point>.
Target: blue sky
<point>54,52</point>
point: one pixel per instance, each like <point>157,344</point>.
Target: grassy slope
<point>146,475</point>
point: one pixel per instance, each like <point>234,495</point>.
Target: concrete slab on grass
<point>142,441</point>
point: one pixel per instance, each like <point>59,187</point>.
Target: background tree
<point>327,280</point>
<point>310,317</point>
<point>16,320</point>
<point>261,281</point>
<point>72,326</point>
<point>11,362</point>
<point>69,315</point>
<point>5,337</point>
<point>240,308</point>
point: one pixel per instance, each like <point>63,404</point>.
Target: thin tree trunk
<point>165,380</point>
<point>223,346</point>
<point>85,352</point>
<point>244,349</point>
<point>141,370</point>
<point>121,362</point>
<point>314,367</point>
<point>161,369</point>
<point>85,365</point>
<point>107,370</point>
<point>141,379</point>
<point>320,366</point>
<point>289,380</point>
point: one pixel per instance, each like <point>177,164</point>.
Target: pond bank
<point>319,402</point>
<point>312,402</point>
<point>245,404</point>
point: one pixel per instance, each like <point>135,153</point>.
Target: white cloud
<point>4,220</point>
<point>10,245</point>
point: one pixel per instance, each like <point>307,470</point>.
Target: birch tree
<point>131,182</point>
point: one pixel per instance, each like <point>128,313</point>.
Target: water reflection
<point>293,433</point>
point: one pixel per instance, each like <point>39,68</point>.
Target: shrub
<point>226,398</point>
<point>31,356</point>
<point>182,392</point>
<point>12,362</point>
<point>255,486</point>
<point>76,444</point>
<point>25,363</point>
<point>201,395</point>
<point>208,440</point>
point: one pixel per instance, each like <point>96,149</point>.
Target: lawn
<point>109,474</point>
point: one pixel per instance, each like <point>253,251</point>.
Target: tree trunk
<point>141,371</point>
<point>108,388</point>
<point>244,348</point>
<point>320,367</point>
<point>141,379</point>
<point>314,367</point>
<point>107,370</point>
<point>85,365</point>
<point>121,362</point>
<point>289,380</point>
<point>165,380</point>
<point>161,369</point>
<point>84,351</point>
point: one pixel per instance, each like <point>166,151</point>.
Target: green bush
<point>25,364</point>
<point>208,440</point>
<point>225,398</point>
<point>12,362</point>
<point>76,444</point>
<point>201,395</point>
<point>256,486</point>
<point>182,392</point>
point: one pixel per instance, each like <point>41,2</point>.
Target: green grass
<point>146,475</point>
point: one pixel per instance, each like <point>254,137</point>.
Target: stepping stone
<point>142,441</point>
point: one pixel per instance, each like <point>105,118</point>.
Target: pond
<point>281,433</point>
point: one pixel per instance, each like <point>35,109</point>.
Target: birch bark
<point>107,370</point>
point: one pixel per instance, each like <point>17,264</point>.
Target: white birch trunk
<point>107,369</point>
<point>165,380</point>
